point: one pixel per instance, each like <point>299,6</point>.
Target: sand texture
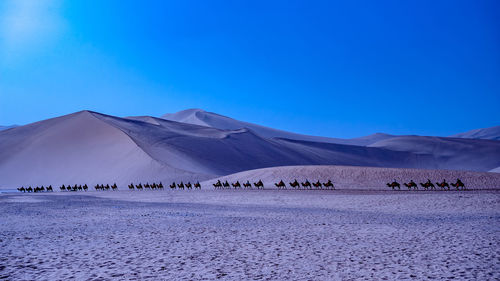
<point>250,235</point>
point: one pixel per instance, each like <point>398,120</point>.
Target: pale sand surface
<point>250,235</point>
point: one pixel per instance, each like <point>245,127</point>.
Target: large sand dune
<point>213,120</point>
<point>89,147</point>
<point>76,148</point>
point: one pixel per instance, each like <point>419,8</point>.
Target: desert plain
<point>251,235</point>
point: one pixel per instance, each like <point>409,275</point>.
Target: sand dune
<point>368,178</point>
<point>7,127</point>
<point>496,170</point>
<point>76,148</point>
<point>492,133</point>
<point>213,120</point>
<point>89,147</point>
<point>449,153</point>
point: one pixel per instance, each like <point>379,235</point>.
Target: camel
<point>188,185</point>
<point>21,189</point>
<point>306,184</point>
<point>217,185</point>
<point>236,184</point>
<point>317,184</point>
<point>443,184</point>
<point>259,184</point>
<point>394,184</point>
<point>411,184</point>
<point>181,185</point>
<point>428,185</point>
<point>49,188</point>
<point>197,185</point>
<point>329,184</point>
<point>459,184</point>
<point>247,184</point>
<point>280,185</point>
<point>160,186</point>
<point>226,184</point>
<point>295,184</point>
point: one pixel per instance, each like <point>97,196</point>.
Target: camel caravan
<point>159,186</point>
<point>428,185</point>
<point>280,185</point>
<point>237,184</point>
<point>36,189</point>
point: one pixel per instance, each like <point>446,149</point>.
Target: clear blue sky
<point>333,68</point>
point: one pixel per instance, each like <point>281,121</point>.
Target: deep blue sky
<point>333,68</point>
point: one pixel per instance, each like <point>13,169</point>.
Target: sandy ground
<point>250,235</point>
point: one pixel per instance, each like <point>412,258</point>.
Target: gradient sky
<point>332,68</point>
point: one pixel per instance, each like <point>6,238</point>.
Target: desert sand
<point>250,235</point>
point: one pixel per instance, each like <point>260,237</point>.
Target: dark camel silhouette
<point>329,184</point>
<point>226,184</point>
<point>394,184</point>
<point>21,189</point>
<point>259,184</point>
<point>443,184</point>
<point>280,185</point>
<point>306,184</point>
<point>236,184</point>
<point>247,184</point>
<point>411,185</point>
<point>428,185</point>
<point>295,184</point>
<point>197,185</point>
<point>317,184</point>
<point>459,184</point>
<point>217,185</point>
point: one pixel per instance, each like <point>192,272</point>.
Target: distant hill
<point>7,127</point>
<point>213,120</point>
<point>492,133</point>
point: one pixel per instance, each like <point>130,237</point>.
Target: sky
<point>330,68</point>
